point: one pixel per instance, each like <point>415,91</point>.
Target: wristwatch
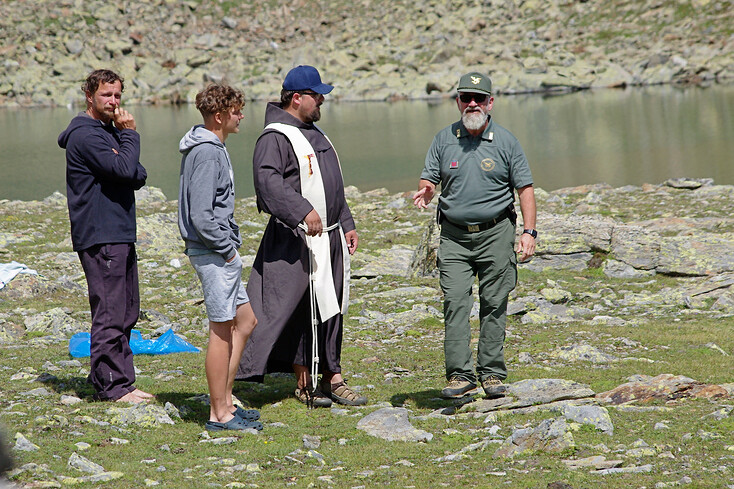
<point>531,232</point>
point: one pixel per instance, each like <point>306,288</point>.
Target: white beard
<point>474,121</point>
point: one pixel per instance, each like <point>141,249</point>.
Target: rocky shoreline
<point>380,50</point>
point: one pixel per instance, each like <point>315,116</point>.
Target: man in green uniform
<point>479,165</point>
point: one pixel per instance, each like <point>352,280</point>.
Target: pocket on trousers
<point>233,269</point>
<point>236,260</point>
<point>105,252</point>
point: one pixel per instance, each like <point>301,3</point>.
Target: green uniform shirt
<point>478,175</point>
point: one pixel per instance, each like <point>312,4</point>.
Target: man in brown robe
<point>279,282</point>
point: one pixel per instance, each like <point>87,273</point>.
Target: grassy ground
<point>398,369</point>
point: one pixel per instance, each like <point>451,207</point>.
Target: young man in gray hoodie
<point>211,237</point>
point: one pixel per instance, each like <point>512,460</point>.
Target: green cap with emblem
<point>475,82</point>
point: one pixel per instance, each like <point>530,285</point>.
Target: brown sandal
<point>342,394</point>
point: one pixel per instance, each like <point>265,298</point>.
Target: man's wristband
<point>531,232</point>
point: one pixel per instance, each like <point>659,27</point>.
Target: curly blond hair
<point>217,98</point>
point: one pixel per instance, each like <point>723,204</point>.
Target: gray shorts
<point>222,285</point>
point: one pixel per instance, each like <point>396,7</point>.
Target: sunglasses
<point>466,97</point>
<point>311,93</point>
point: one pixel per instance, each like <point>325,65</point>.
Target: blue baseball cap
<point>305,77</point>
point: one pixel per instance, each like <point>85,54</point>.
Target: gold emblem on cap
<point>475,80</point>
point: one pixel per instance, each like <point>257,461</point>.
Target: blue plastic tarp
<point>166,343</point>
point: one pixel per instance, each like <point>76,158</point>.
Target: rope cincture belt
<point>314,316</point>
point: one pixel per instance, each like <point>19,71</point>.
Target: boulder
<point>392,424</point>
<point>551,435</point>
<point>662,387</point>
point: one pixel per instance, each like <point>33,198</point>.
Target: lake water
<point>620,137</point>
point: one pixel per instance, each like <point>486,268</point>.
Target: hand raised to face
<point>123,119</point>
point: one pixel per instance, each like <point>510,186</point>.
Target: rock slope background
<point>371,50</point>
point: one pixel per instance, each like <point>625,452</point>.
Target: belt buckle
<point>473,228</point>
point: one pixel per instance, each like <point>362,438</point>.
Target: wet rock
<point>392,424</point>
<point>662,387</point>
<point>551,435</point>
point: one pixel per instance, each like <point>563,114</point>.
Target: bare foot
<point>132,398</point>
<point>143,394</point>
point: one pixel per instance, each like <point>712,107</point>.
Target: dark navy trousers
<point>112,280</point>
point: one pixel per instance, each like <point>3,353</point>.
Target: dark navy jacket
<point>102,174</point>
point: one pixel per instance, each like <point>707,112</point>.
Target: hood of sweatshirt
<point>80,121</point>
<point>273,113</point>
<point>198,135</point>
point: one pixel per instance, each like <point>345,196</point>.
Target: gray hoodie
<point>206,195</point>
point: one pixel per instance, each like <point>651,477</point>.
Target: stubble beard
<point>316,115</point>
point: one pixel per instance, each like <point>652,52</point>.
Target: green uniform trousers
<point>490,256</point>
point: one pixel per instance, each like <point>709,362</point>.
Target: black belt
<point>475,228</point>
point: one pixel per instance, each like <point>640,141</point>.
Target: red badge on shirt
<point>454,164</point>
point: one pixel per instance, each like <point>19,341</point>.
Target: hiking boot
<point>314,398</point>
<point>342,394</point>
<point>458,388</point>
<point>493,387</point>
